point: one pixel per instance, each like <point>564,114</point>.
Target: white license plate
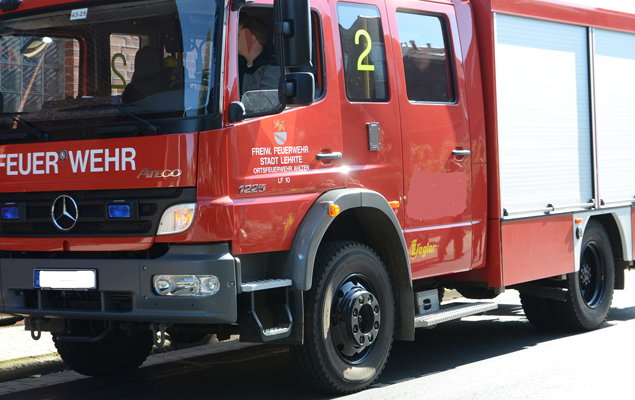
<point>65,279</point>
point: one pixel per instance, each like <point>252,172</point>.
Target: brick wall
<point>71,69</point>
<point>128,47</point>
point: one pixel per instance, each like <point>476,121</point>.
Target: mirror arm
<point>282,29</point>
<point>236,112</point>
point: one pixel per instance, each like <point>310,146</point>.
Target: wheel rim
<point>356,319</point>
<point>591,276</point>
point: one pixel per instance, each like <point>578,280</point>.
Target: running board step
<point>254,286</point>
<point>280,326</point>
<point>277,332</point>
<point>453,312</point>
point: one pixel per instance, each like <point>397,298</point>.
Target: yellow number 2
<point>114,70</point>
<point>369,45</point>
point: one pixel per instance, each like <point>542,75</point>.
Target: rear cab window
<point>427,56</point>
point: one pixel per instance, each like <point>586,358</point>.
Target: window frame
<point>450,64</point>
<point>387,97</point>
<point>319,68</point>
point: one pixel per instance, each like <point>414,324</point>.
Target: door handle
<point>329,156</point>
<point>461,153</point>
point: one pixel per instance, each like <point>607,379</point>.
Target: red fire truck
<point>410,147</point>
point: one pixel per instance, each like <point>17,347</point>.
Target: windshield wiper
<point>39,135</point>
<point>121,107</point>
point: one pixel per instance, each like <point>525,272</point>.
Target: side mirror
<point>292,21</point>
<point>236,112</point>
<point>302,88</point>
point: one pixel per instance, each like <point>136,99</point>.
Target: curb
<point>30,366</point>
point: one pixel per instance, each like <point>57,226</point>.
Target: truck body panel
<point>532,250</point>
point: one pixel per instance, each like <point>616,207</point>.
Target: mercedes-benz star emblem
<point>64,213</point>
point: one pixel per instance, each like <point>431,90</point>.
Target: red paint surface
<point>78,244</point>
<point>268,224</point>
<point>479,215</point>
<point>561,11</point>
<point>33,4</point>
<point>537,248</point>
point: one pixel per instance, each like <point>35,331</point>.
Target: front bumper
<point>124,288</point>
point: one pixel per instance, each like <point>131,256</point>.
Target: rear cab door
<point>435,134</point>
<point>371,132</point>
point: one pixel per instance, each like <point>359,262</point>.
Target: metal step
<point>264,284</point>
<point>452,312</point>
<point>277,331</point>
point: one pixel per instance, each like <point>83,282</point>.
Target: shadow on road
<point>268,372</point>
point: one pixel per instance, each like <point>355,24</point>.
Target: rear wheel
<point>591,288</point>
<point>117,353</point>
<point>349,323</point>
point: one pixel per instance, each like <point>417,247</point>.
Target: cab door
<point>435,135</point>
<point>278,165</point>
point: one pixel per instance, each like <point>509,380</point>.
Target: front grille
<point>78,301</point>
<point>93,219</point>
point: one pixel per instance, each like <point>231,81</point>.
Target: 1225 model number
<point>252,188</point>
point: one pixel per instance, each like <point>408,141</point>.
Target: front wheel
<point>591,288</point>
<point>349,323</point>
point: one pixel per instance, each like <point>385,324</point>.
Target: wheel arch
<point>618,231</point>
<point>366,217</point>
<point>618,228</point>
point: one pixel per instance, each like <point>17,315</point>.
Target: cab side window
<point>427,56</point>
<point>259,71</point>
<point>361,36</point>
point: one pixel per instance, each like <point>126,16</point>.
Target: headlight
<point>177,219</point>
<point>186,285</point>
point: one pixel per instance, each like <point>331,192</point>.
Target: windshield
<point>95,66</point>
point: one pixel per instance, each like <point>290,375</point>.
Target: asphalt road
<point>494,356</point>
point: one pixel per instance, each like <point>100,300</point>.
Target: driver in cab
<point>258,67</point>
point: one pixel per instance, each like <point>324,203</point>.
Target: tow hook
<point>160,329</point>
<point>36,322</point>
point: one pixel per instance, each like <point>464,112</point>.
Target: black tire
<point>332,358</point>
<point>477,293</point>
<point>591,288</point>
<point>116,354</point>
<point>539,311</point>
